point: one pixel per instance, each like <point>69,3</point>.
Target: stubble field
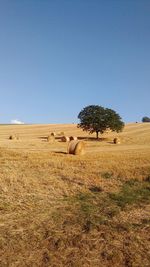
<point>58,209</point>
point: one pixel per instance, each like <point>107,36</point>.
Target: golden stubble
<point>38,180</point>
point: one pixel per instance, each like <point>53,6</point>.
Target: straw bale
<point>76,147</point>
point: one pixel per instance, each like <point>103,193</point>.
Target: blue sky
<point>58,56</point>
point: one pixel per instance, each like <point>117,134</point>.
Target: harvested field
<point>58,209</point>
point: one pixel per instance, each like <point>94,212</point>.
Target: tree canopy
<point>145,119</point>
<point>98,119</point>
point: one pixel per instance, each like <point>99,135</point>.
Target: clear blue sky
<point>58,56</point>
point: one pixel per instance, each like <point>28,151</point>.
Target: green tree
<point>145,119</point>
<point>98,119</point>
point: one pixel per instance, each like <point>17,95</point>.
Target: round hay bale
<point>51,138</point>
<point>12,137</point>
<point>65,139</point>
<point>53,134</point>
<point>17,136</point>
<point>73,138</point>
<point>61,134</point>
<point>76,147</point>
<point>116,140</point>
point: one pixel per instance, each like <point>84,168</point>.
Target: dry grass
<point>58,209</point>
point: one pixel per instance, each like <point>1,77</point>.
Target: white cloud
<point>16,121</point>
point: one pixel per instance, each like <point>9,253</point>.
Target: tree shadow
<point>87,138</point>
<point>100,139</point>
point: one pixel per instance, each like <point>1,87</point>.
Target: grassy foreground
<point>63,210</point>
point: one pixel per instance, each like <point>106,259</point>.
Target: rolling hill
<point>58,209</point>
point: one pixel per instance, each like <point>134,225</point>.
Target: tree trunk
<point>96,135</point>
